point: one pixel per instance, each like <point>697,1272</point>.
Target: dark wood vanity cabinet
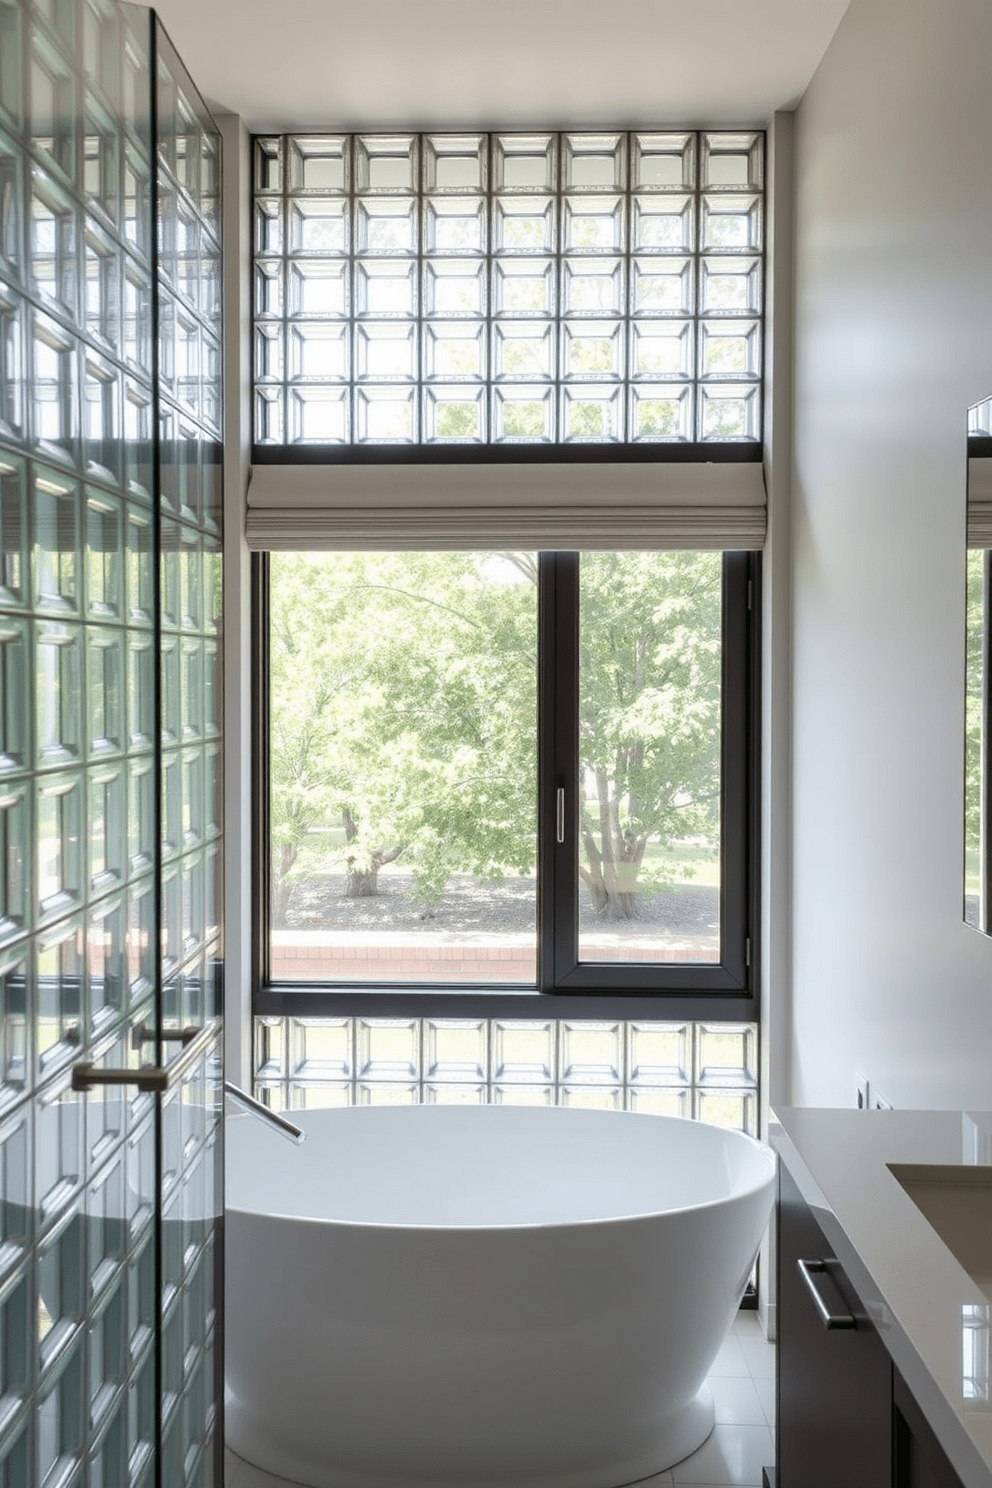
<point>845,1415</point>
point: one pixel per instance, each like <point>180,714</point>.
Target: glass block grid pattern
<point>508,288</point>
<point>707,1071</point>
<point>79,769</point>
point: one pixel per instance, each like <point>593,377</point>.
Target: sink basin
<point>957,1202</point>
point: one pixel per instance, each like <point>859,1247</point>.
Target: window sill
<point>303,1000</point>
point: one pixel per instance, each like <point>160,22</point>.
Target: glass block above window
<point>387,263</point>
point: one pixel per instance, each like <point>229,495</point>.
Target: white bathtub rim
<point>760,1153</point>
<point>685,1435</point>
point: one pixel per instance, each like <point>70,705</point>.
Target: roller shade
<point>979,502</point>
<point>564,506</point>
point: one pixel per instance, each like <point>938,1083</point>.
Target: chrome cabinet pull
<point>814,1273</point>
<point>156,1078</point>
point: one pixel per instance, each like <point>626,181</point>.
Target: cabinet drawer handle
<point>815,1274</point>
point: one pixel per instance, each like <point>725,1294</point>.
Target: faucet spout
<point>284,1127</point>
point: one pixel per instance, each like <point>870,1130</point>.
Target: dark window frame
<point>565,989</point>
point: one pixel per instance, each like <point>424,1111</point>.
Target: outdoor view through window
<point>403,764</point>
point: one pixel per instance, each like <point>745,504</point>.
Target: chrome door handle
<point>811,1272</point>
<point>157,1078</point>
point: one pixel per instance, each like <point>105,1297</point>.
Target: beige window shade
<point>979,502</point>
<point>526,506</point>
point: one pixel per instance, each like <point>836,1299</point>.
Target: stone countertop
<point>932,1317</point>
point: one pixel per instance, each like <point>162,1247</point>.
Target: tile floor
<point>743,1384</point>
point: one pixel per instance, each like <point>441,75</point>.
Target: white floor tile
<point>737,1402</point>
<point>730,1361</point>
<point>759,1357</point>
<point>747,1325</point>
<point>732,1455</point>
<point>766,1394</point>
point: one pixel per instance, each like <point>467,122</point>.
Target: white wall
<point>893,341</point>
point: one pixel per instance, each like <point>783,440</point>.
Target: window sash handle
<point>560,814</point>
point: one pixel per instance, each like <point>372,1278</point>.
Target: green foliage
<point>403,709</point>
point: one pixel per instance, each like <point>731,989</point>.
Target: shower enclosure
<point>110,755</point>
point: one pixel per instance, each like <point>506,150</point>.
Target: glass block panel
<point>14,988</point>
<point>729,348</point>
<point>53,242</point>
<point>16,1371</point>
<point>592,413</point>
<point>59,692</point>
<point>17,1220</point>
<point>319,1049</point>
<point>524,224</point>
<point>454,349</point>
<point>388,1048</point>
<point>54,388</point>
<point>59,996</point>
<point>315,164</point>
<point>268,164</point>
<point>731,223</point>
<point>140,940</point>
<point>660,1054</point>
<point>320,1097</point>
<point>271,1045</point>
<point>270,420</point>
<point>104,557</point>
<point>317,225</point>
<point>386,415</point>
<point>320,286</point>
<point>12,366</point>
<point>663,224</point>
<point>523,351</point>
<point>735,1110</point>
<point>13,531</point>
<point>523,1095</point>
<point>726,1053</point>
<point>102,416</point>
<point>454,287</point>
<point>729,412</point>
<point>191,690</point>
<point>107,1371</point>
<point>663,162</point>
<point>657,1101</point>
<point>138,437</point>
<point>319,414</point>
<point>56,557</point>
<point>140,692</point>
<point>106,1225</point>
<point>59,817</point>
<point>171,771</point>
<point>15,859</point>
<point>58,1135</point>
<point>591,1053</point>
<point>525,286</point>
<point>268,287</point>
<point>61,1285</point>
<point>594,162</point>
<point>61,1412</point>
<point>101,161</point>
<point>268,227</point>
<point>730,286</point>
<point>592,224</point>
<point>105,960</point>
<point>15,663</point>
<point>454,1095</point>
<point>101,45</point>
<point>592,349</point>
<point>731,161</point>
<point>455,413</point>
<point>662,349</point>
<point>524,1052</point>
<point>212,689</point>
<point>140,815</point>
<point>662,286</point>
<point>136,201</point>
<point>456,1050</point>
<point>385,287</point>
<point>11,68</point>
<point>592,1097</point>
<point>524,162</point>
<point>387,163</point>
<point>455,162</point>
<point>54,113</point>
<point>524,413</point>
<point>107,796</point>
<point>385,227</point>
<point>592,286</point>
<point>383,1094</point>
<point>318,351</point>
<point>456,225</point>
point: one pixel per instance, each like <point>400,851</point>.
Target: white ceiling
<point>286,64</point>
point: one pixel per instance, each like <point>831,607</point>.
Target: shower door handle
<point>156,1078</point>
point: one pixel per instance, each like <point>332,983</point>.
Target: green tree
<point>403,716</point>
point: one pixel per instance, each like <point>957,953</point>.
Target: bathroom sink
<point>956,1200</point>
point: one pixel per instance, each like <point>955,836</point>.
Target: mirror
<point>978,683</point>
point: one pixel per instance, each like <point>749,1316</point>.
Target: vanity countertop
<point>932,1317</point>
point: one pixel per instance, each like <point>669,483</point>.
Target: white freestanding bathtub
<point>485,1296</point>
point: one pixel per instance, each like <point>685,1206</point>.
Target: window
<point>506,771</point>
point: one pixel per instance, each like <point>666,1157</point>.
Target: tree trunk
<point>284,887</point>
<point>363,883</point>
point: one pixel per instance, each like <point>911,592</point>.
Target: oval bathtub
<point>486,1296</point>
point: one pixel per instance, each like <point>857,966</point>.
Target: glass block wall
<point>508,288</point>
<point>708,1071</point>
<point>84,498</point>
